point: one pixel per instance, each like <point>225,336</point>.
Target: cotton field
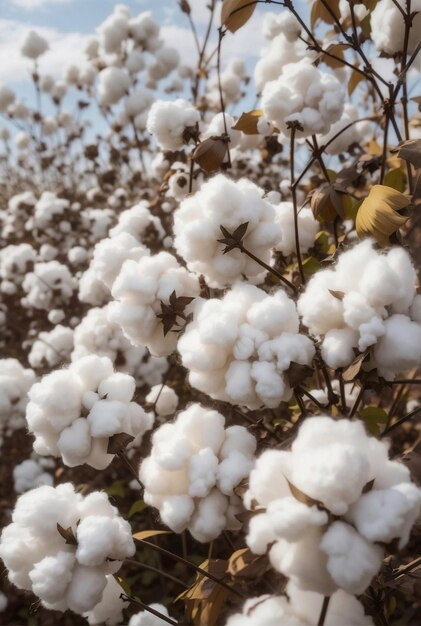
<point>210,313</point>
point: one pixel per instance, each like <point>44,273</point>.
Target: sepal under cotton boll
<point>194,467</point>
<point>326,507</point>
<point>75,412</point>
<point>239,348</point>
<point>62,546</point>
<point>224,202</point>
<point>366,300</point>
<point>300,608</point>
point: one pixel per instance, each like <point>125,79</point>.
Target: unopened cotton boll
<point>375,311</point>
<point>65,574</point>
<point>194,467</point>
<point>303,94</point>
<point>114,83</point>
<point>140,290</point>
<point>331,462</point>
<point>224,202</point>
<point>238,349</point>
<point>168,121</point>
<point>388,26</point>
<point>33,45</point>
<point>73,413</point>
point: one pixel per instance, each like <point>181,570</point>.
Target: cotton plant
<point>62,546</point>
<point>367,300</point>
<point>239,348</point>
<point>326,508</point>
<point>222,202</point>
<point>74,413</point>
<point>193,469</point>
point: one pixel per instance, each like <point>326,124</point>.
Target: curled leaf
<point>210,153</point>
<point>247,122</point>
<point>378,216</point>
<point>409,151</point>
<point>235,13</point>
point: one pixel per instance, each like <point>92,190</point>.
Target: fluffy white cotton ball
<point>7,97</point>
<point>139,292</point>
<point>114,83</point>
<point>164,399</point>
<point>33,45</point>
<point>168,121</point>
<point>15,382</point>
<point>224,202</point>
<point>388,26</point>
<point>303,94</point>
<point>238,348</point>
<point>375,311</point>
<point>30,474</point>
<point>73,413</point>
<point>39,559</point>
<point>194,467</point>
<point>331,463</point>
<point>307,228</point>
<point>146,618</point>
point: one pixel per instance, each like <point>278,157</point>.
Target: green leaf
<point>373,416</point>
<point>137,507</point>
<point>311,265</point>
<point>116,489</point>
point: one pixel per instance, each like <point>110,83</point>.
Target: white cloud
<point>65,49</point>
<point>233,45</point>
<point>36,4</point>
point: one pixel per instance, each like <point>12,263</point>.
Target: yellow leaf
<point>395,178</point>
<point>354,81</point>
<point>248,122</point>
<point>145,534</point>
<point>235,13</point>
<point>320,12</point>
<point>378,215</point>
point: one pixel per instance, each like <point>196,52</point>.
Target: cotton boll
<point>351,560</point>
<point>165,61</point>
<point>7,97</point>
<point>109,611</point>
<point>307,227</point>
<point>40,560</point>
<point>221,201</point>
<point>112,32</point>
<point>399,349</point>
<point>217,128</point>
<point>138,292</point>
<point>114,83</point>
<point>145,31</point>
<point>33,45</point>
<point>138,102</point>
<point>168,121</point>
<point>51,348</point>
<point>194,466</point>
<point>15,383</point>
<point>69,419</point>
<point>3,602</point>
<point>388,26</point>
<point>49,283</point>
<point>30,474</point>
<point>338,347</point>
<point>303,94</point>
<point>229,351</point>
<point>354,134</point>
<point>285,22</point>
<point>330,464</point>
